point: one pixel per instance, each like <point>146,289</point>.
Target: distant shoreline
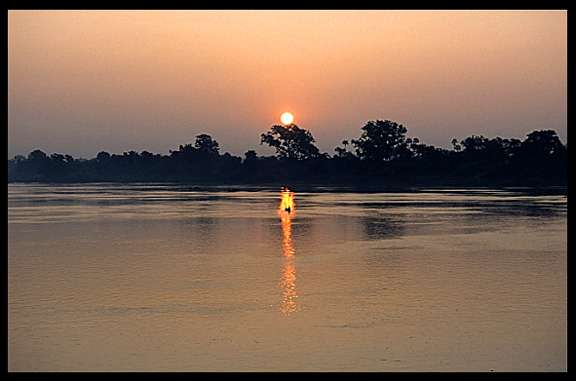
<point>387,159</point>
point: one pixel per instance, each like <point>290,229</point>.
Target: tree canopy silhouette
<point>291,142</point>
<point>380,140</point>
<point>543,143</point>
<point>205,144</point>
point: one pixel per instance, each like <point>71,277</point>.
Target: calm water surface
<point>142,277</point>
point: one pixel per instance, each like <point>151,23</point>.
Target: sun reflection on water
<point>286,212</point>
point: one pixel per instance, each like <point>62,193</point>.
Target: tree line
<point>382,155</point>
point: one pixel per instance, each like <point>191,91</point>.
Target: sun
<point>287,118</point>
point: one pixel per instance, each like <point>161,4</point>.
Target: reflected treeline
<point>382,155</point>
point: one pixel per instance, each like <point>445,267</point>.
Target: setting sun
<point>287,118</point>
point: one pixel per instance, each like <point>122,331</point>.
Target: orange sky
<point>80,82</point>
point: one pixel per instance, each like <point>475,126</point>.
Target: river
<point>170,277</point>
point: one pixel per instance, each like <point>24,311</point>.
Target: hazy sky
<point>81,82</point>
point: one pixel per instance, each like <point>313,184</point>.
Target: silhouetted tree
<point>206,144</point>
<point>423,151</point>
<point>291,142</point>
<point>340,152</point>
<point>37,164</point>
<point>543,154</point>
<point>103,157</point>
<point>474,143</point>
<point>250,155</point>
<point>486,157</point>
<point>456,145</point>
<point>18,159</point>
<point>380,140</point>
<point>37,156</point>
<point>343,152</point>
<point>542,143</point>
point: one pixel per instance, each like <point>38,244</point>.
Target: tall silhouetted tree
<point>543,143</point>
<point>205,143</point>
<point>544,154</point>
<point>291,142</point>
<point>380,140</point>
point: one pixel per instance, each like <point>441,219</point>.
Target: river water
<point>169,277</point>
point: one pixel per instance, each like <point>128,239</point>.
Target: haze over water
<point>165,277</point>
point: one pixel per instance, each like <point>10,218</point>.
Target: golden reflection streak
<point>286,212</point>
